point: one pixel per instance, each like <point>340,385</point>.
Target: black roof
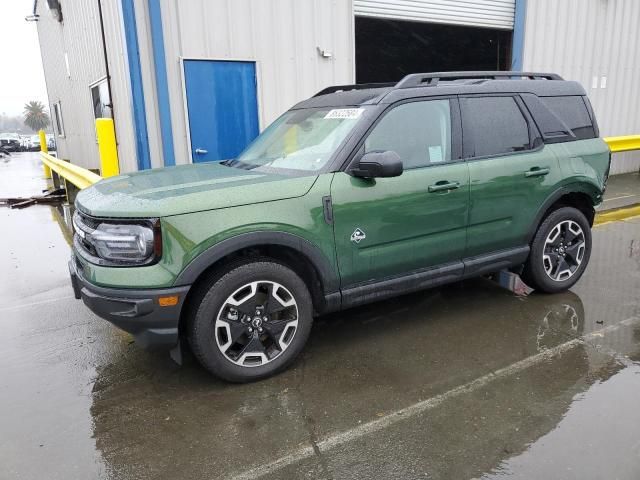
<point>444,83</point>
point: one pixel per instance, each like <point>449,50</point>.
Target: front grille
<point>88,247</point>
<point>79,265</point>
<point>85,250</point>
<point>86,220</point>
<point>82,226</point>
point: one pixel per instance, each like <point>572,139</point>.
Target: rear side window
<point>493,126</point>
<point>573,112</point>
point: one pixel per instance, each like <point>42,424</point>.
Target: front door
<point>390,227</point>
<point>222,106</point>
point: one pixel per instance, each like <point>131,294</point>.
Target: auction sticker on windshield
<point>345,113</point>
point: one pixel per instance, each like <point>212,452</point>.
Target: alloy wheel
<point>564,250</point>
<point>256,323</point>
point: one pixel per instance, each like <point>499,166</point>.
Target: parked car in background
<point>357,194</point>
<point>11,142</point>
<point>33,144</point>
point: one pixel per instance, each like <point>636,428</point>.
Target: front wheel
<point>560,251</point>
<point>251,322</point>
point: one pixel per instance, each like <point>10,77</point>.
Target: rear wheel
<point>560,251</point>
<point>251,322</point>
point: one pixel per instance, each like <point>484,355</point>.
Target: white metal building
<point>189,81</point>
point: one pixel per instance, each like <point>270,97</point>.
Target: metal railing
<point>625,143</point>
<point>80,177</point>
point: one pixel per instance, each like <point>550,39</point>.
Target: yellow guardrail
<point>80,177</point>
<point>617,215</point>
<point>624,143</point>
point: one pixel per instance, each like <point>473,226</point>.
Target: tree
<point>36,116</point>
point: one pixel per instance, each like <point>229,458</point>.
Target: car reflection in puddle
<point>363,366</point>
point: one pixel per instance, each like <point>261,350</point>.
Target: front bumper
<point>135,311</point>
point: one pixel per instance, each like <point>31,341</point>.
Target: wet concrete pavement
<point>622,191</point>
<point>465,381</point>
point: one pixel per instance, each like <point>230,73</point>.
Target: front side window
<point>300,140</point>
<point>419,132</point>
<point>493,126</point>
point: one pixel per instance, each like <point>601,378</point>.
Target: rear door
<point>511,173</point>
<point>222,106</point>
<point>388,227</point>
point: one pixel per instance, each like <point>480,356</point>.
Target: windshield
<point>300,140</point>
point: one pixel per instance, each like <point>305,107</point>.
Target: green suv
<point>358,194</point>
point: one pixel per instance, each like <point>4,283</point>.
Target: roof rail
<point>431,79</point>
<point>358,86</point>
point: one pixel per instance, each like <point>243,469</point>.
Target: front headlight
<point>118,243</point>
<point>122,242</point>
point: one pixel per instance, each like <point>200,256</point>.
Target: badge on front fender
<point>358,235</point>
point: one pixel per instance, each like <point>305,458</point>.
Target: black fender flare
<point>213,254</point>
<point>585,188</point>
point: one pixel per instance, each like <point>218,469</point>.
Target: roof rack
<point>358,86</point>
<point>431,79</point>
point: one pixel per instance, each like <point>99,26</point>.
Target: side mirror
<point>378,165</point>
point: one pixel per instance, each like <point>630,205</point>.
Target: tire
<point>564,236</point>
<point>251,322</point>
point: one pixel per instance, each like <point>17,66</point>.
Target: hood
<point>187,188</point>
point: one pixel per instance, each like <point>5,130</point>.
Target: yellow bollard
<point>107,147</point>
<point>43,148</point>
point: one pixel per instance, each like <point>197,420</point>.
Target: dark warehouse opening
<point>387,50</point>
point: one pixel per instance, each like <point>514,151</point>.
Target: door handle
<point>201,151</point>
<point>537,172</point>
<point>442,186</point>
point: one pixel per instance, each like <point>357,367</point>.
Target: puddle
<point>596,438</point>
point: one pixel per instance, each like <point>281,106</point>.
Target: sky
<point>21,74</point>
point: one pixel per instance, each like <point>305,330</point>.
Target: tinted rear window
<point>573,112</point>
<point>493,126</point>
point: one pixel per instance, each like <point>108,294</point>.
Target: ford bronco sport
<point>357,194</point>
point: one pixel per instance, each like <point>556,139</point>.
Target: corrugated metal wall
<point>597,43</point>
<point>478,13</point>
<point>592,41</point>
<point>282,36</point>
<point>79,36</point>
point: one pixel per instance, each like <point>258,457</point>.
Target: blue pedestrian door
<point>223,107</point>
